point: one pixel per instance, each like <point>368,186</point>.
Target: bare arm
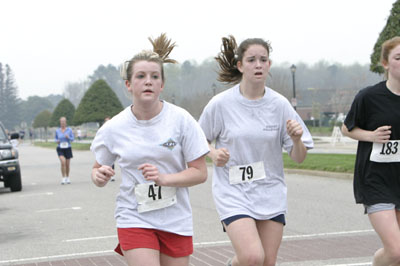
<point>295,131</point>
<point>379,135</point>
<point>196,173</point>
<point>101,174</point>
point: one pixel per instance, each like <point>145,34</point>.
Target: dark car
<point>10,172</point>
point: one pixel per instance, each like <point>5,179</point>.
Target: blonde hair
<point>162,47</point>
<point>231,54</point>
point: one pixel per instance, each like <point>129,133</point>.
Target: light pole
<point>214,88</point>
<point>294,101</point>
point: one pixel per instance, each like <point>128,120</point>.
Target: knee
<point>252,259</point>
<point>269,262</point>
<point>394,255</point>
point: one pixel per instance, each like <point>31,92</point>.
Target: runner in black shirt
<point>374,120</point>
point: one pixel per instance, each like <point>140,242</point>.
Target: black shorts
<point>279,219</point>
<point>67,153</point>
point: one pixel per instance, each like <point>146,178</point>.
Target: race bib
<point>152,197</point>
<point>63,145</point>
<point>385,152</point>
<point>246,173</point>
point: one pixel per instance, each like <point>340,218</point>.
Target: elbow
<point>203,176</point>
<point>345,131</point>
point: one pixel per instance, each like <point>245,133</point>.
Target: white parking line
<point>36,194</point>
<point>330,234</point>
<point>89,238</point>
<point>210,243</point>
<point>64,209</point>
<point>351,264</point>
<point>7,262</point>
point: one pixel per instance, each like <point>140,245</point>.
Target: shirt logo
<point>271,128</point>
<point>170,144</point>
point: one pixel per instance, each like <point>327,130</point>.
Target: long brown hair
<point>230,54</point>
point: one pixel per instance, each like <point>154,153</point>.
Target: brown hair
<point>231,54</point>
<point>162,47</point>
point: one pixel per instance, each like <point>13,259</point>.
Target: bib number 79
<point>247,172</point>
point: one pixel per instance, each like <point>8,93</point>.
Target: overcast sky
<point>49,43</point>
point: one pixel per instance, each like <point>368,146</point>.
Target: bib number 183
<point>385,152</point>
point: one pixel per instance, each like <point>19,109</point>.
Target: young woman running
<point>251,124</point>
<point>161,152</point>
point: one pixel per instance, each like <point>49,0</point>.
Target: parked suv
<point>10,172</point>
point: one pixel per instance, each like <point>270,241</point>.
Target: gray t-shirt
<point>168,141</point>
<point>252,131</point>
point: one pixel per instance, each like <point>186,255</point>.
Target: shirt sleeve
<point>101,149</point>
<point>210,121</point>
<point>356,116</point>
<point>194,142</point>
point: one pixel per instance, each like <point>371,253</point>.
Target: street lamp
<point>214,88</point>
<point>294,102</point>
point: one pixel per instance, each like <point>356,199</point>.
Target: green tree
<point>33,106</point>
<point>391,30</point>
<point>2,105</point>
<point>64,108</point>
<point>98,102</point>
<point>10,111</point>
<point>110,74</point>
<point>42,120</point>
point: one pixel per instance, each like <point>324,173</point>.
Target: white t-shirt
<point>253,131</point>
<point>168,141</point>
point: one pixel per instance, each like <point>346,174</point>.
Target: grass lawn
<point>343,163</point>
<point>75,145</point>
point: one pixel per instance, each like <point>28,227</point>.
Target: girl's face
<point>63,122</point>
<point>255,64</point>
<point>393,64</point>
<point>146,83</point>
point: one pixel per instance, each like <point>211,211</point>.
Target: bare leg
<point>142,256</point>
<point>271,236</point>
<point>386,225</point>
<point>246,243</point>
<point>63,166</point>
<point>67,164</point>
<point>171,261</point>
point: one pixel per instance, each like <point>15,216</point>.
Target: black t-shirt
<point>374,182</point>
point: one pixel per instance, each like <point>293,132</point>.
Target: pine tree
<point>2,106</point>
<point>98,102</point>
<point>391,30</point>
<point>42,120</point>
<point>64,108</point>
<point>10,115</point>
